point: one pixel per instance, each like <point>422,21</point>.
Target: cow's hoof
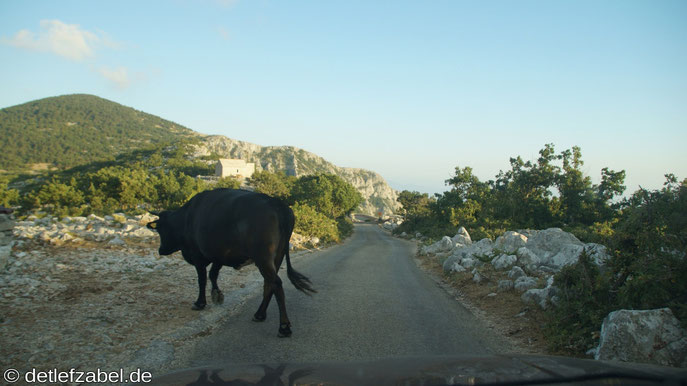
<point>259,318</point>
<point>197,307</point>
<point>217,296</point>
<point>284,330</point>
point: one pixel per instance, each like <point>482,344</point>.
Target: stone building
<point>234,167</point>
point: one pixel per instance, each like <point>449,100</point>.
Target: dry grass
<point>38,167</point>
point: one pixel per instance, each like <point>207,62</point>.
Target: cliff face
<point>377,194</point>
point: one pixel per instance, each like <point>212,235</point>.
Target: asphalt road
<point>372,302</point>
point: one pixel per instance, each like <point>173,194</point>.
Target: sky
<point>409,89</point>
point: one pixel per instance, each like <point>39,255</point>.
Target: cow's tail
<point>300,281</point>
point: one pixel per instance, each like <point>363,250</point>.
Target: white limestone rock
<point>469,262</point>
<point>525,283</point>
<point>528,259</point>
<point>505,285</point>
<point>117,241</point>
<point>554,247</point>
<point>472,251</point>
<point>515,273</point>
<point>510,242</point>
<point>142,233</point>
<point>598,253</point>
<point>462,237</point>
<point>443,245</point>
<point>650,336</point>
<point>538,296</point>
<point>504,261</point>
<point>477,277</point>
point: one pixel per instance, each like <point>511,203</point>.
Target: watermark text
<point>77,376</point>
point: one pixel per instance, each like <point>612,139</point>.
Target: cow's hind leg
<point>261,314</point>
<point>202,281</point>
<point>216,294</point>
<point>284,323</point>
<point>273,286</point>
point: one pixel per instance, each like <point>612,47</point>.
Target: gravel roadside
<point>97,305</point>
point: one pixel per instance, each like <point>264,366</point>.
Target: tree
<point>8,197</point>
<point>462,205</point>
<point>273,184</point>
<point>174,189</point>
<point>611,187</point>
<point>575,189</point>
<point>328,193</point>
<point>414,204</point>
<point>522,195</point>
<point>63,198</point>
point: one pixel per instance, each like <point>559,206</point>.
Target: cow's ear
<point>152,225</point>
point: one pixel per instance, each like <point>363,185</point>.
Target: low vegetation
<point>164,177</point>
<point>646,235</point>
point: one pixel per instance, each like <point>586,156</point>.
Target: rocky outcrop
<point>377,194</point>
<point>530,257</point>
<point>545,251</point>
<point>117,230</point>
<point>651,336</point>
<point>74,230</point>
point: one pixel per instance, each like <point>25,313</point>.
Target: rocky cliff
<point>377,194</point>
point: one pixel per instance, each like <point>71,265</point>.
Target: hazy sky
<point>409,89</point>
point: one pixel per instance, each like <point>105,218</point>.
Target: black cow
<point>232,227</point>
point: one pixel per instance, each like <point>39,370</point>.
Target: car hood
<point>469,370</point>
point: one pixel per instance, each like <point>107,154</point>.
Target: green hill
<point>84,130</point>
<point>71,130</point>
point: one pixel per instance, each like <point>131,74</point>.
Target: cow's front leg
<point>216,294</point>
<point>202,281</point>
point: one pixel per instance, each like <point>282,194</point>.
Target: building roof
<point>226,162</point>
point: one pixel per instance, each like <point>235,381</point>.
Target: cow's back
<point>231,224</point>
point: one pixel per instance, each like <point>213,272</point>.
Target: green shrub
<point>584,300</point>
<point>310,222</point>
<point>8,197</point>
<point>344,226</point>
<point>225,182</point>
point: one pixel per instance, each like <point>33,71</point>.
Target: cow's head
<point>169,235</point>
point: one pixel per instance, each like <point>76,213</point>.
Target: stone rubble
<point>392,224</point>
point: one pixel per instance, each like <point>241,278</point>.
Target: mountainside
<point>377,194</point>
<point>71,130</point>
